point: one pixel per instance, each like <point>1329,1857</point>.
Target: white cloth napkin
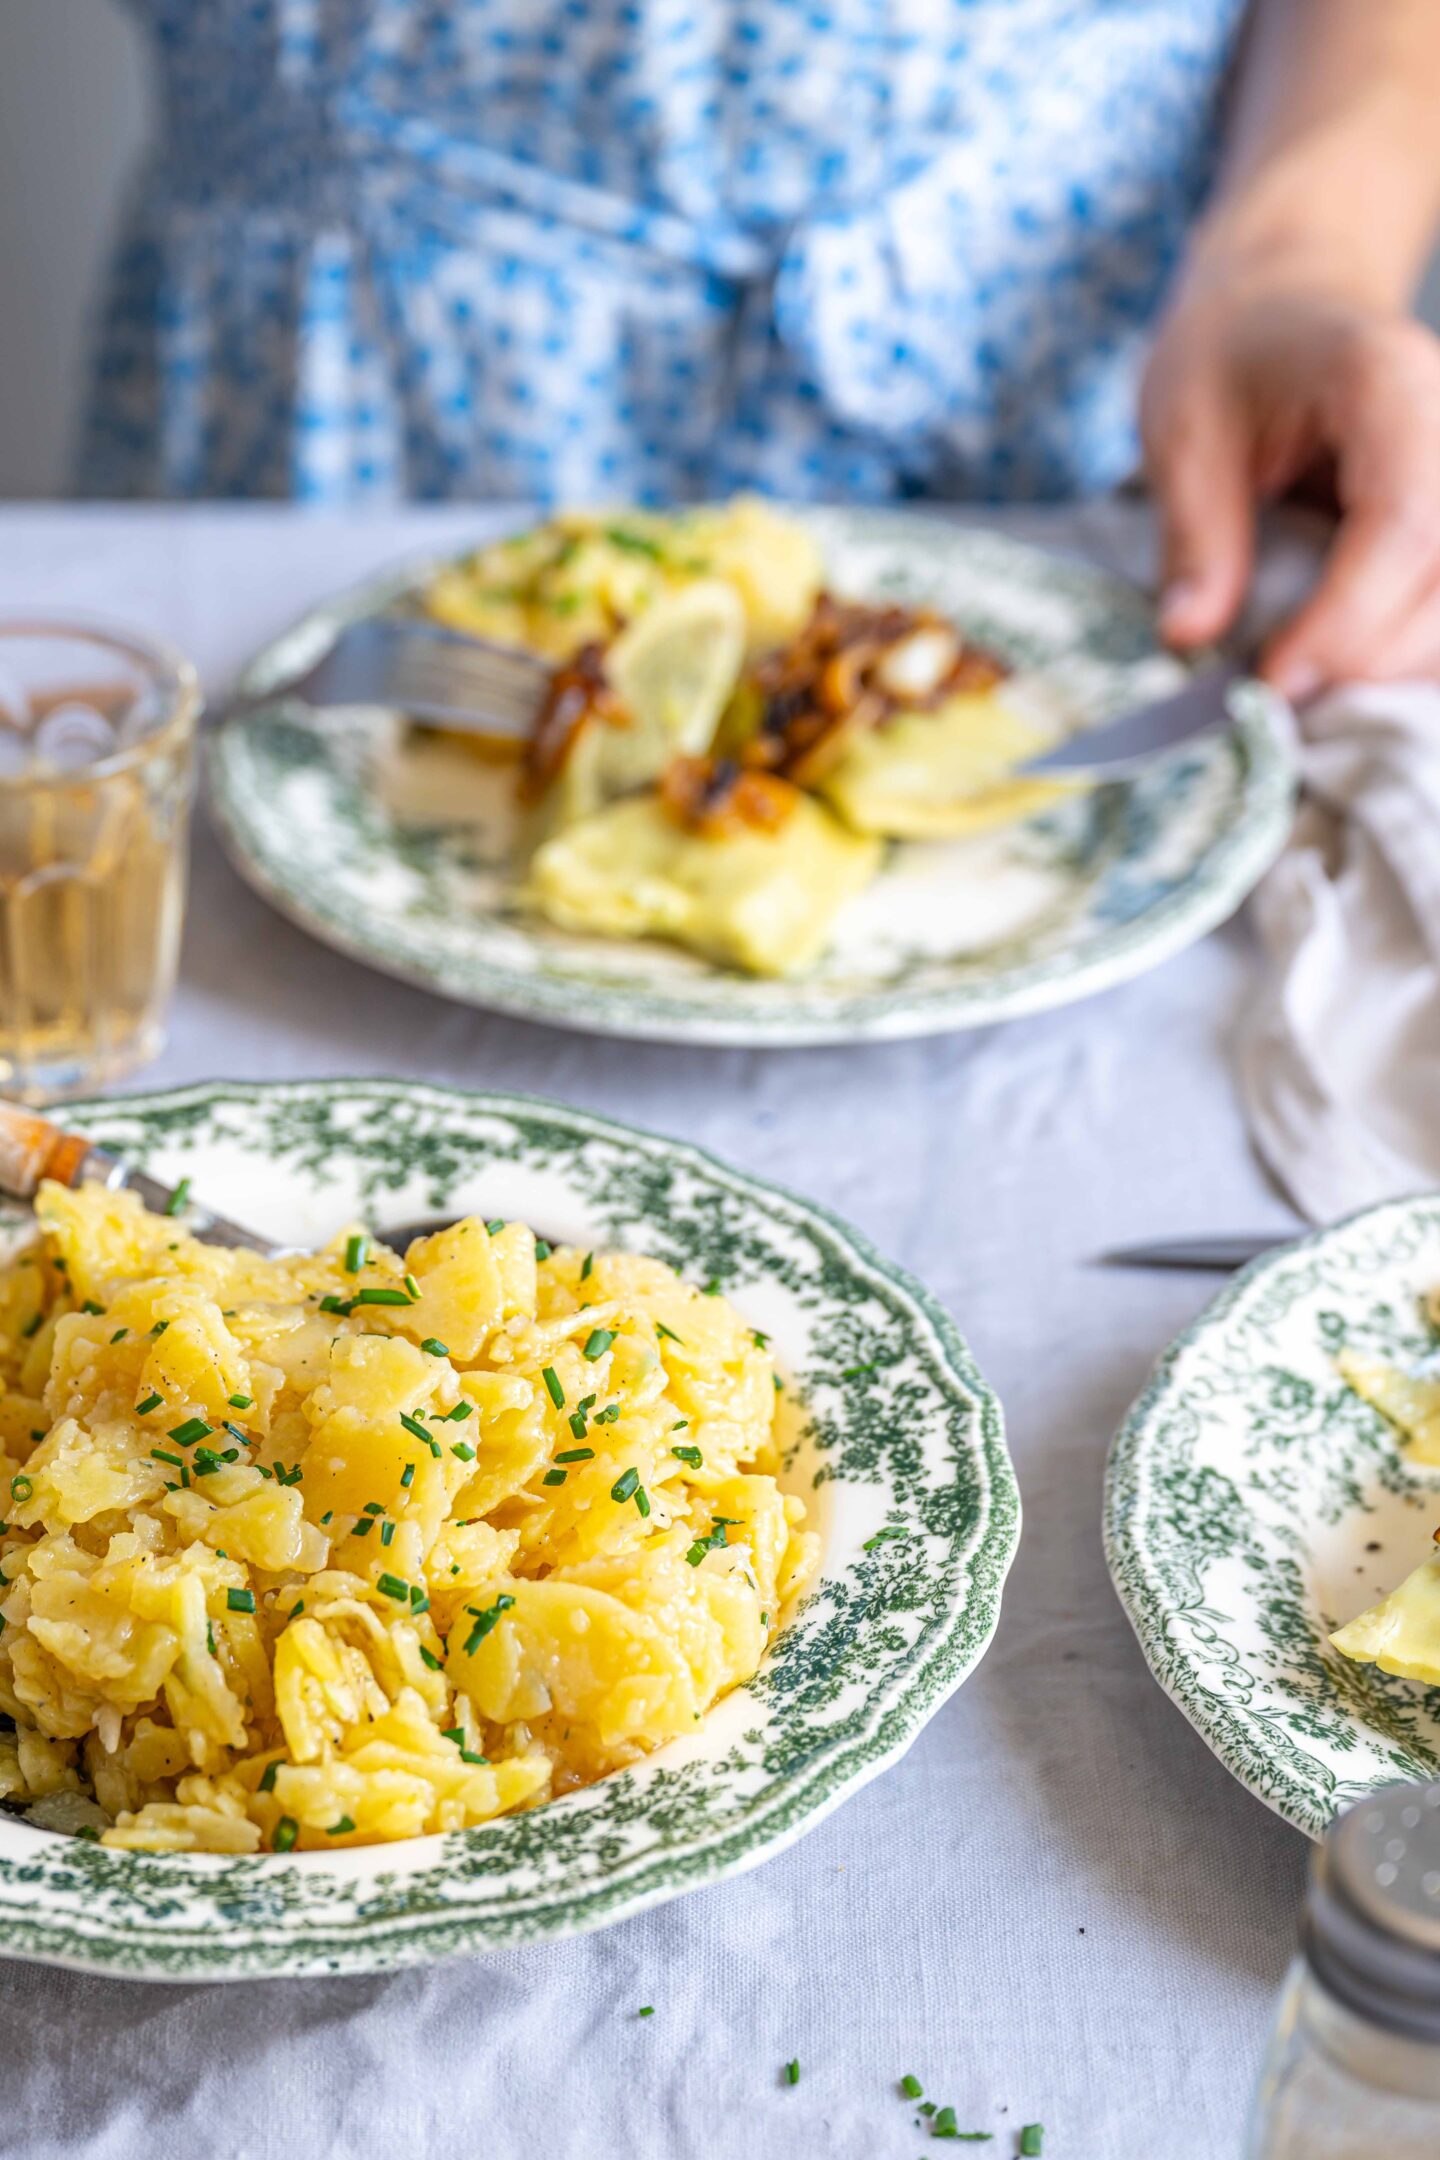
<point>1340,1055</point>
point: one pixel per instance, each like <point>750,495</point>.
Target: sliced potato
<point>1402,1633</point>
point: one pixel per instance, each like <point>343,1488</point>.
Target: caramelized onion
<point>579,693</point>
<point>844,674</point>
<point>718,796</point>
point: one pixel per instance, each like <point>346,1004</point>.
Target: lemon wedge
<point>673,670</point>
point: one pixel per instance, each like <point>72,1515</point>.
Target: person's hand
<point>1256,383</point>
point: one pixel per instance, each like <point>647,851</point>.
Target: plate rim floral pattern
<point>66,1902</point>
<point>1178,1642</point>
<point>664,1010</point>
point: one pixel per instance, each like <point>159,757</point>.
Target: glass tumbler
<point>97,740</point>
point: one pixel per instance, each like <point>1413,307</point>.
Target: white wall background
<point>73,106</point>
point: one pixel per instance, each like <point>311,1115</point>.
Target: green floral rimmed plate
<point>399,848</point>
<point>1254,1503</point>
<point>893,1431</point>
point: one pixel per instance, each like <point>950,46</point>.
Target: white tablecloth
<point>1058,1907</point>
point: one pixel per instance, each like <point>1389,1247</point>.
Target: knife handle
<point>31,1149</point>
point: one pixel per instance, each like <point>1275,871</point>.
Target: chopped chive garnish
<point>631,543</point>
<point>495,1225</point>
<point>433,1445</point>
<point>435,1347</point>
<point>363,1528</point>
<point>193,1429</point>
<point>792,2071</point>
<point>357,1251</point>
<point>287,1477</point>
<point>552,1387</point>
<point>577,1423</point>
<point>555,1477</point>
<point>21,1487</point>
<point>646,2010</point>
<point>586,1265</point>
<point>240,1600</point>
<point>597,1342</point>
<point>419,1602</point>
<point>609,1415</point>
<point>712,1288</point>
<point>119,1335</point>
<point>37,1432</point>
<point>341,1828</point>
<point>393,1587</point>
<point>285,1833</point>
<point>463,1449</point>
<point>377,1294</point>
<point>159,1328</point>
<point>32,1325</point>
<point>1032,2139</point>
<point>96,1312</point>
<point>331,1303</point>
<point>715,1542</point>
<point>328,1516</point>
<point>689,1455</point>
<point>241,1402</point>
<point>455,1733</point>
<point>576,1454</point>
<point>374,1507</point>
<point>461,1411</point>
<point>669,1333</point>
<point>164,1455</point>
<point>407,1475</point>
<point>642,1500</point>
<point>210,1638</point>
<point>178,1198</point>
<point>625,1484</point>
<point>542,1250</point>
<point>468,1755</point>
<point>428,1657</point>
<point>412,1288</point>
<point>413,1425</point>
<point>296,1609</point>
<point>267,1777</point>
<point>759,1338</point>
<point>485,1618</point>
<point>387,1532</point>
<point>237,1432</point>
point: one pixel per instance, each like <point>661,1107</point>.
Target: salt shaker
<point>1353,2069</point>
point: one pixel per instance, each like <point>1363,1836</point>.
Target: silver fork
<point>33,1149</point>
<point>423,669</point>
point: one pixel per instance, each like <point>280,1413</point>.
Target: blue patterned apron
<point>656,249</point>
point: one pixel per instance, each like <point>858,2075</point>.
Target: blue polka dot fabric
<point>650,249</point>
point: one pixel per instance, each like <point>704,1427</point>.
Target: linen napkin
<point>1340,1054</point>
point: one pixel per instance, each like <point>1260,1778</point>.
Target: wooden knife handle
<point>31,1148</point>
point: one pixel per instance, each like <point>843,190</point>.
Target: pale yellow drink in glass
<point>96,774</point>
